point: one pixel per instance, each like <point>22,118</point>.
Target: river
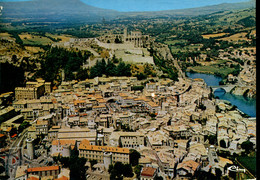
<point>246,105</point>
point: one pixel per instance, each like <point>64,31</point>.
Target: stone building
<point>135,37</point>
<point>33,90</point>
<point>62,147</point>
<point>92,152</point>
<point>127,139</point>
<point>44,171</point>
<point>148,173</point>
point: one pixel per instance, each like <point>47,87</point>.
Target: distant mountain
<point>54,10</point>
<point>195,11</point>
<point>73,11</point>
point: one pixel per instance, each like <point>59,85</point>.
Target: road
<point>14,156</point>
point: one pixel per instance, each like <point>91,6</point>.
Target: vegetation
<point>134,157</point>
<point>23,126</point>
<point>110,69</point>
<point>10,77</point>
<point>57,59</point>
<point>249,163</point>
<point>165,67</point>
<point>119,170</point>
<point>75,164</point>
<point>137,170</point>
<point>137,88</point>
<point>247,146</point>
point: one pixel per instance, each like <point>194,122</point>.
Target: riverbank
<point>245,104</point>
<point>244,91</point>
<point>222,71</point>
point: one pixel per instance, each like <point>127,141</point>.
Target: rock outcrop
<point>244,91</point>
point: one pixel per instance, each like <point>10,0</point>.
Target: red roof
<point>62,178</point>
<point>13,135</point>
<point>148,171</point>
<point>13,160</point>
<point>46,168</point>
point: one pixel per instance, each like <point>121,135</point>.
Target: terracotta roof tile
<point>105,148</point>
<point>148,171</point>
<point>62,178</point>
<point>46,168</point>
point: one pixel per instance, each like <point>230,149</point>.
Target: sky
<point>150,5</point>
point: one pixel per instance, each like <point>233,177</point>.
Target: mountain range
<point>77,11</point>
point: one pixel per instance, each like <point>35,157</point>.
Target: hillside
<point>72,11</point>
<point>191,12</point>
<point>52,11</point>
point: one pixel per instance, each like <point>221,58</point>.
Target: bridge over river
<point>227,88</point>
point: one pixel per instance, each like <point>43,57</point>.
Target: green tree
<point>123,69</point>
<point>247,146</point>
<point>128,170</point>
<point>116,171</point>
<point>137,88</point>
<point>158,178</point>
<point>10,77</point>
<point>78,169</point>
<point>56,58</point>
<point>147,69</point>
<point>134,157</point>
<point>23,126</point>
<point>141,76</point>
<point>65,161</point>
<point>114,59</point>
<point>110,68</point>
<point>137,170</point>
<point>98,69</point>
<point>82,74</point>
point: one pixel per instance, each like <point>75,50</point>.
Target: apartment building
<point>92,152</point>
<point>44,171</point>
<point>127,139</point>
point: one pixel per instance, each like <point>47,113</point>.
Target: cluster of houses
<point>104,118</point>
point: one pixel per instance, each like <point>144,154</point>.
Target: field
<point>207,36</point>
<point>236,37</point>
<point>64,38</point>
<point>34,39</point>
<point>249,163</point>
<point>6,36</point>
<point>173,42</point>
<point>34,49</point>
<point>175,48</point>
<point>212,69</point>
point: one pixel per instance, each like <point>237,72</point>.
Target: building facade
<point>92,152</point>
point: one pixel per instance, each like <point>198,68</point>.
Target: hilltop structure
<point>135,37</point>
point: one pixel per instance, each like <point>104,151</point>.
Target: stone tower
<point>107,159</point>
<point>30,148</point>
